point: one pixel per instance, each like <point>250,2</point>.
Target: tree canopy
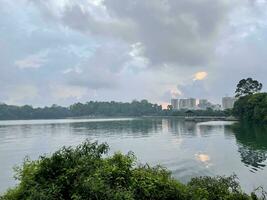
<point>252,108</point>
<point>96,109</point>
<point>88,109</point>
<point>247,86</point>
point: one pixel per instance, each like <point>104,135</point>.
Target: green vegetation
<point>208,112</point>
<point>252,108</point>
<point>247,87</point>
<point>85,172</point>
<point>135,108</point>
<point>95,109</point>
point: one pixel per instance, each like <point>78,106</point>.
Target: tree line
<point>97,109</point>
<point>89,109</point>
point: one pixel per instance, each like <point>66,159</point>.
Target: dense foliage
<point>252,108</point>
<point>135,108</point>
<point>207,112</point>
<point>95,109</point>
<point>247,87</point>
<point>85,172</point>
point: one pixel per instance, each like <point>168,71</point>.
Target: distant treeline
<point>207,112</point>
<point>97,109</point>
<point>92,108</point>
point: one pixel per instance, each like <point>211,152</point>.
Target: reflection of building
<point>175,104</point>
<point>228,102</point>
<point>180,127</point>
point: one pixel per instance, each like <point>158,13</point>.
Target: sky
<point>65,51</point>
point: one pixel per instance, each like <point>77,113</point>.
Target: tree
<point>247,86</point>
<point>169,107</point>
<point>252,108</point>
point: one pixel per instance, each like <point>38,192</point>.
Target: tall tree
<point>247,86</point>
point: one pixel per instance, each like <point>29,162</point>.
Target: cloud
<point>67,92</point>
<point>100,70</point>
<point>172,32</point>
<point>175,93</point>
<point>32,61</point>
<point>123,49</point>
<point>200,76</point>
<point>18,94</point>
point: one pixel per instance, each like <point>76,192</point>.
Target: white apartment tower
<point>190,103</point>
<point>175,104</point>
<point>228,102</point>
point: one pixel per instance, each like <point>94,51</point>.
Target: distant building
<point>175,104</point>
<point>203,101</point>
<point>216,107</point>
<point>203,104</point>
<point>228,102</point>
<point>190,103</point>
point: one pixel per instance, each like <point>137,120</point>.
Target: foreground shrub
<point>85,172</point>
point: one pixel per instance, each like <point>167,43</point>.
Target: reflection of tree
<point>251,157</point>
<point>252,142</point>
<point>125,127</point>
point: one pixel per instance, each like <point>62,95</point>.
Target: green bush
<point>85,172</point>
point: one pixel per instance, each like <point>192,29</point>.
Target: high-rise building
<point>175,104</point>
<point>192,103</point>
<point>228,102</point>
<point>187,103</point>
<point>182,104</point>
<point>203,104</point>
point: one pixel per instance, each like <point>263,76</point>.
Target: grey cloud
<point>179,32</point>
<point>102,69</point>
<point>113,51</point>
<point>172,32</point>
<point>79,19</point>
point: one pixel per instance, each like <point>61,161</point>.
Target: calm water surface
<point>188,149</point>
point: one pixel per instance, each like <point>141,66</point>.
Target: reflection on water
<point>187,148</point>
<point>252,145</point>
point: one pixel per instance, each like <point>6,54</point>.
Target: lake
<point>186,148</point>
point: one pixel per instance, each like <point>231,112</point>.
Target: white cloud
<point>32,61</point>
